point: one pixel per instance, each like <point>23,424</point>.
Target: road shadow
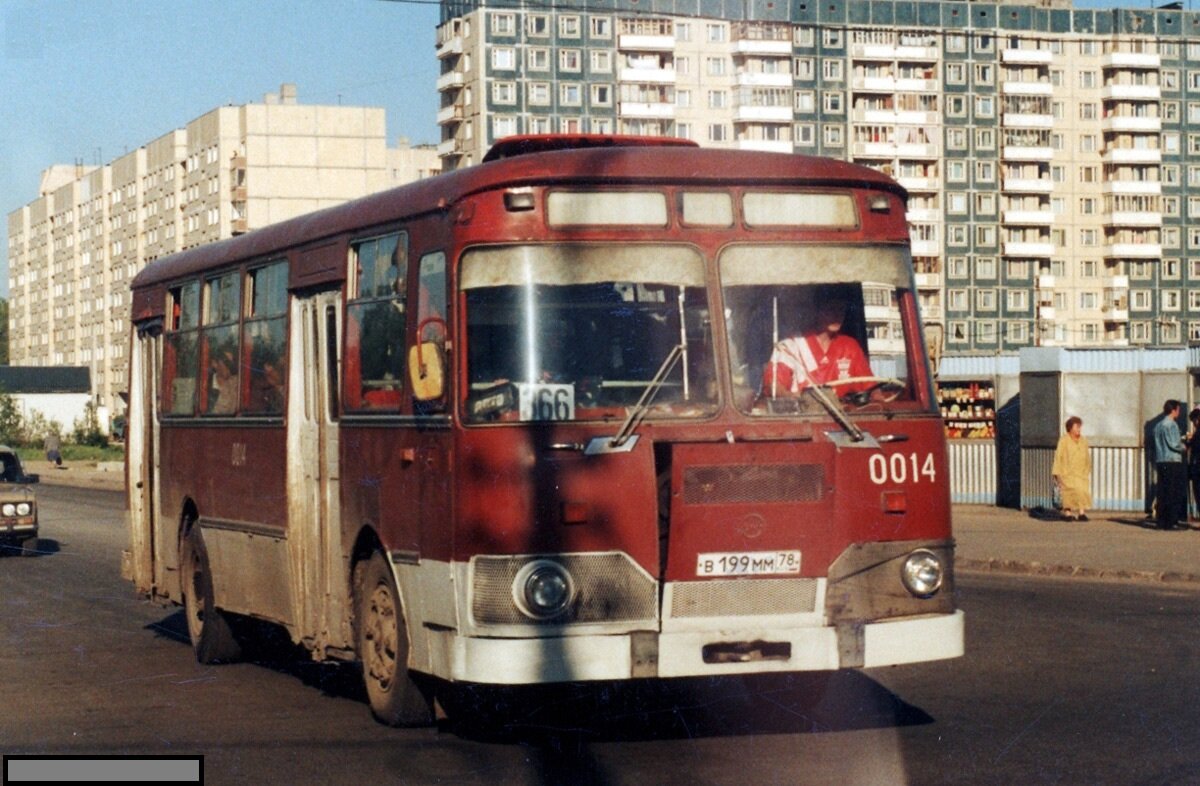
<point>269,646</point>
<point>566,718</point>
<point>44,548</point>
<point>1140,522</point>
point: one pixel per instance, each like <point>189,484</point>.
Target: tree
<point>12,426</point>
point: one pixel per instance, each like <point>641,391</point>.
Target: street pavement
<point>1111,545</point>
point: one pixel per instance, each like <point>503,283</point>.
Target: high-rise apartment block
<point>1051,154</point>
<point>73,250</point>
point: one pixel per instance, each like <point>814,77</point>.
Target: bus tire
<point>383,645</point>
<point>29,547</point>
<point>211,636</point>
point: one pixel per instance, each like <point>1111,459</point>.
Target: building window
<point>601,27</point>
<point>834,136</point>
<point>832,102</point>
<point>804,101</point>
<point>504,92</point>
<point>602,61</point>
<point>504,24</point>
<point>714,66</point>
<point>1018,300</point>
<point>539,93</point>
<point>601,95</point>
<point>956,74</point>
<point>568,26</point>
<point>503,58</point>
<point>715,34</point>
<point>537,59</point>
<point>569,60</point>
<point>805,134</point>
<point>832,71</point>
<point>717,132</point>
<point>537,25</point>
<point>570,93</point>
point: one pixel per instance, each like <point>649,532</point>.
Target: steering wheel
<point>860,398</point>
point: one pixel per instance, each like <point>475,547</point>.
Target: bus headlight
<point>543,589</point>
<point>9,509</point>
<point>24,508</point>
<point>922,573</point>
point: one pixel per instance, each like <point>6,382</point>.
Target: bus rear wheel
<point>395,699</point>
<point>211,636</point>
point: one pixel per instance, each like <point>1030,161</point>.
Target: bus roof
<point>631,162</point>
<point>523,145</point>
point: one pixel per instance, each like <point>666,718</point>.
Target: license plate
<point>747,563</point>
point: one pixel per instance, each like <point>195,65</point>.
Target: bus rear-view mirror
<point>427,369</point>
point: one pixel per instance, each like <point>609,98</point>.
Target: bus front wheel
<point>395,699</point>
<point>211,636</point>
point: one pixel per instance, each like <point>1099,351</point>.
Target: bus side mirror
<point>427,368</point>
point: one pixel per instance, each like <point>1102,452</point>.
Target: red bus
<point>532,422</point>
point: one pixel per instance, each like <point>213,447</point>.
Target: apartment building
<point>1052,154</point>
<point>73,250</point>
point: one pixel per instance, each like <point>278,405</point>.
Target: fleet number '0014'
<point>901,468</point>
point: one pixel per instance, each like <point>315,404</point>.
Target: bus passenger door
<point>143,563</point>
<point>314,539</point>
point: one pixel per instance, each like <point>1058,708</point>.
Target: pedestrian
<point>1171,499</point>
<point>1193,448</point>
<point>52,447</point>
<point>1072,471</point>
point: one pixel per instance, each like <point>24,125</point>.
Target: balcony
<point>1046,281</point>
<point>1026,56</point>
<point>662,111</point>
<point>449,114</point>
<point>926,248</point>
<point>766,145</point>
<point>928,280</point>
<point>1135,125</point>
<point>1029,217</point>
<point>238,194</point>
<point>1027,88</point>
<point>1027,153</point>
<point>762,114</point>
<point>1115,313</point>
<point>1028,249</point>
<point>450,47</point>
<point>1135,187</point>
<point>1133,251</point>
<point>650,76</point>
<point>891,84</point>
<point>919,183</point>
<point>931,312</point>
<point>1133,219</point>
<point>923,214</point>
<point>649,43</point>
<point>1131,60</point>
<point>759,79</point>
<point>1116,283</point>
<point>760,46</point>
<point>1130,93</point>
<point>1132,155</point>
<point>1027,185</point>
<point>886,51</point>
<point>448,148</point>
<point>1045,312</point>
<point>1021,120</point>
<point>451,80</point>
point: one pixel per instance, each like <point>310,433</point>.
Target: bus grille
<point>730,485</point>
<point>609,588</point>
<point>743,597</point>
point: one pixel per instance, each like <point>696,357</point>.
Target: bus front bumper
<point>529,661</point>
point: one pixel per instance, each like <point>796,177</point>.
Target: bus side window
<point>432,327</point>
<point>264,339</point>
<point>375,324</point>
<point>220,344</point>
<point>181,355</point>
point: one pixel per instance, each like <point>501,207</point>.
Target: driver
<point>822,355</point>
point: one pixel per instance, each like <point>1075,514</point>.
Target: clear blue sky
<point>93,79</point>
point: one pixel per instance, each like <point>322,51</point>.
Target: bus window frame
<point>394,400</point>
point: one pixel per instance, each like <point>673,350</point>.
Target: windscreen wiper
<point>643,404</point>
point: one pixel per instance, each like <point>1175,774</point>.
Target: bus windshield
<point>579,332</point>
<point>832,318</point>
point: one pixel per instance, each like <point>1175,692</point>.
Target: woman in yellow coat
<point>1073,471</point>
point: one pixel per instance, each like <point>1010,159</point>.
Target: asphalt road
<point>1064,681</point>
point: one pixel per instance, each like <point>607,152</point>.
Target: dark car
<point>18,505</point>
